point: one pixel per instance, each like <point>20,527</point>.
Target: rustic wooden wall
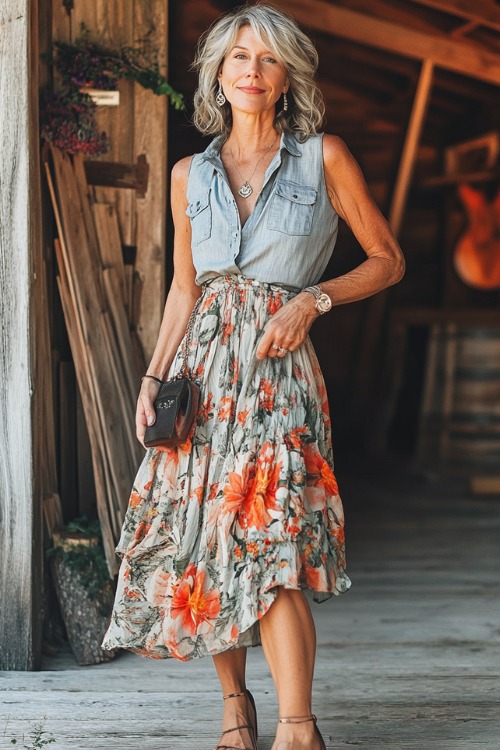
<point>24,359</point>
<point>138,126</point>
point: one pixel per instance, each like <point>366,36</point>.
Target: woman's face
<point>252,77</point>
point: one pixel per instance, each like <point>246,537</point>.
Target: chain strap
<point>183,372</point>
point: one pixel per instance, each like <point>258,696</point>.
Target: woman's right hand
<point>145,413</point>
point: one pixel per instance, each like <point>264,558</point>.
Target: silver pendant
<point>245,190</point>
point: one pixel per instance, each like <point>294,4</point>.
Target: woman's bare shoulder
<point>180,170</point>
<point>335,150</point>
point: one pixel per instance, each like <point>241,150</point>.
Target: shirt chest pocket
<point>200,213</point>
<point>292,208</point>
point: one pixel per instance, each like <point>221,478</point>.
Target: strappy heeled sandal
<point>251,727</point>
<point>299,720</point>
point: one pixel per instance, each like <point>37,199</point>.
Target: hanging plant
<point>68,116</point>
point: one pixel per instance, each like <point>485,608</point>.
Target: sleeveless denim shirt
<point>289,237</point>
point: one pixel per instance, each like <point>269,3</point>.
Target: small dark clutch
<point>176,406</point>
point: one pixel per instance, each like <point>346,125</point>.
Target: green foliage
<point>85,560</point>
<point>38,737</point>
<point>67,117</point>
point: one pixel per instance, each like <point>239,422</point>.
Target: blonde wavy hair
<point>278,30</point>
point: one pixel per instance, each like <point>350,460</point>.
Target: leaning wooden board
<point>108,370</point>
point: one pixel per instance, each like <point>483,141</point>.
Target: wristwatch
<point>323,301</point>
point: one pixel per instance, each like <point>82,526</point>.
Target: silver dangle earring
<point>285,102</point>
<point>220,98</point>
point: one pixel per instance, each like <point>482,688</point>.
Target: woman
<point>223,534</point>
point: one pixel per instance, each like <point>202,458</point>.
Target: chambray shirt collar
<point>212,152</point>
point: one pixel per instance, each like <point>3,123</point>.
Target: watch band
<point>314,290</point>
<point>323,301</point>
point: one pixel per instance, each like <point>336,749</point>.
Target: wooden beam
<point>483,12</point>
<point>410,147</point>
<point>22,324</point>
<point>458,56</point>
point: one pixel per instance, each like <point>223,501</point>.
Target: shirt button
<point>235,234</point>
<point>294,196</point>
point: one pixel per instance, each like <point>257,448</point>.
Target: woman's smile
<point>251,89</point>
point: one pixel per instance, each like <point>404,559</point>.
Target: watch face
<point>323,303</point>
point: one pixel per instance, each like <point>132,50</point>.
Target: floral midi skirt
<point>247,504</point>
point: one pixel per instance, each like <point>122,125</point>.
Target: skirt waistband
<point>246,281</point>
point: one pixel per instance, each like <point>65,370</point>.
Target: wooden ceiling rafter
<point>428,22</point>
<point>464,29</point>
<point>441,49</point>
<point>484,12</point>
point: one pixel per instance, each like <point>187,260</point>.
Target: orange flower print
<point>225,408</point>
<point>242,416</point>
<point>234,493</point>
<point>198,494</point>
<point>252,494</point>
<point>135,499</point>
<point>318,470</point>
<point>227,329</point>
<point>236,367</point>
<point>266,394</point>
<point>206,408</point>
<point>338,534</point>
<point>253,548</point>
<point>213,491</point>
<point>328,479</point>
<point>234,632</point>
<point>274,303</point>
<point>207,302</point>
<point>158,589</point>
<point>314,578</point>
<point>141,531</point>
<point>294,436</point>
<point>192,603</point>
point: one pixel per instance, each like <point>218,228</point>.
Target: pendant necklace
<point>246,189</point>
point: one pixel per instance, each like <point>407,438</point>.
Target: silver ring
<point>282,348</point>
<point>275,346</point>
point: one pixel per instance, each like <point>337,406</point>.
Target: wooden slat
<point>483,12</point>
<point>113,174</point>
<point>485,485</point>
<point>52,513</point>
<point>150,138</point>
<point>460,57</point>
<point>410,147</point>
<point>67,440</point>
<point>102,416</point>
<point>127,406</point>
<point>131,368</point>
<point>87,501</point>
<point>102,480</point>
<point>110,246</point>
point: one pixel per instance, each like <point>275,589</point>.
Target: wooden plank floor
<point>408,659</point>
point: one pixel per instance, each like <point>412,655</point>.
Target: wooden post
<point>23,322</point>
<point>410,147</point>
<point>376,307</point>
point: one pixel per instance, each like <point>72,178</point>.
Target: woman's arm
<point>383,267</point>
<point>352,201</point>
<point>180,301</point>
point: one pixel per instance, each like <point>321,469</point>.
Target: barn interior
<point>395,94</point>
<point>413,373</point>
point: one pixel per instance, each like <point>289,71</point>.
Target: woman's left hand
<point>289,326</point>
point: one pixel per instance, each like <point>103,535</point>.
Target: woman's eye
<point>270,59</point>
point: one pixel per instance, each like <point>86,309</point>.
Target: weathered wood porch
<point>408,659</point>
